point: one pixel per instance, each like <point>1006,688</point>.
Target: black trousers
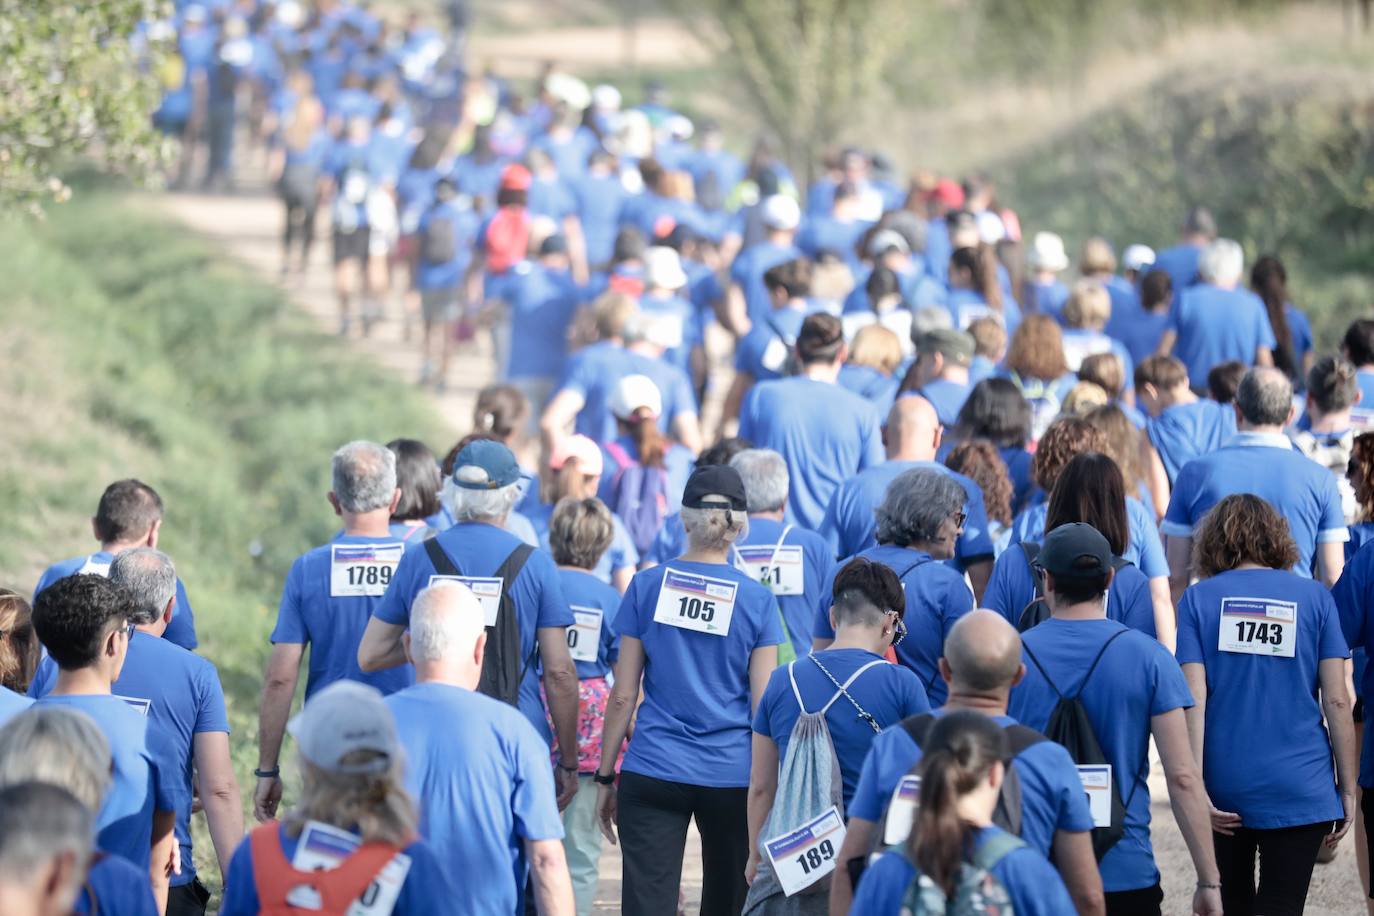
<point>188,899</point>
<point>1286,857</point>
<point>654,815</point>
<point>1143,901</point>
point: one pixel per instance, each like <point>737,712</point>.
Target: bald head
<point>446,622</point>
<point>983,652</point>
<point>913,430</point>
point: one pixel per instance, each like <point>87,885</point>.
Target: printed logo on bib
<point>806,855</point>
<point>323,847</point>
<point>362,570</point>
<point>1258,626</point>
<point>782,569</point>
<point>901,811</point>
<point>584,636</point>
<point>1097,785</point>
<point>486,588</point>
<point>137,704</point>
<point>693,602</point>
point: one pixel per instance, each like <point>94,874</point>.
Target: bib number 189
<point>816,856</point>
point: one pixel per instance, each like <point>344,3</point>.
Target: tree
<point>72,83</point>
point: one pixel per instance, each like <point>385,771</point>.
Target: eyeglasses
<point>959,518</point>
<point>898,628</point>
<point>129,629</point>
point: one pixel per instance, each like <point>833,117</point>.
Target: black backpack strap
<point>1120,563</point>
<point>443,565</point>
<point>1093,667</point>
<point>1020,737</point>
<point>918,727</point>
<point>508,572</point>
<point>1031,550</point>
<point>1041,668</point>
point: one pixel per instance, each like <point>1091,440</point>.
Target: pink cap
<point>515,177</point>
<point>584,451</point>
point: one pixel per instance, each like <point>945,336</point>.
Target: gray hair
<point>59,746</point>
<point>364,476</point>
<point>713,529</point>
<point>917,502</point>
<point>1222,262</point>
<point>764,473</point>
<point>1265,397</point>
<point>445,617</point>
<point>929,318</point>
<point>38,824</point>
<point>149,579</point>
<point>467,505</point>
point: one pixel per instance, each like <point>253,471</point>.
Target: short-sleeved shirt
<point>1135,328</point>
<point>936,597</point>
<point>332,625</point>
<point>1184,431</point>
<point>870,384</point>
<point>1033,885</point>
<point>693,724</point>
<point>1270,784</point>
<point>542,302</point>
<point>1137,680</point>
<point>748,269</point>
<point>1216,325</point>
<point>1145,549</point>
<point>1046,298</point>
<point>798,611</point>
<point>479,549</point>
<point>181,630</point>
<point>583,590</point>
<point>887,692</point>
<point>427,891</point>
<point>1180,263</point>
<point>184,699</point>
<point>1267,465</point>
<point>824,433</point>
<point>670,542</point>
<point>483,786</point>
<point>1052,796</point>
<point>12,704</point>
<point>1354,597</point>
<point>1011,588</point>
<point>620,555</point>
<point>117,887</point>
<point>947,397</point>
<point>764,351</point>
<point>448,273</point>
<point>1080,343</point>
<point>592,373</point>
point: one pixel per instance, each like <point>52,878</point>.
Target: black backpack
<point>1037,610</point>
<point>502,667</point>
<point>1070,726</point>
<point>439,241</point>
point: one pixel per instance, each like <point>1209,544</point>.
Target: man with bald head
<point>477,769</point>
<point>981,663</point>
<point>1260,459</point>
<point>911,437</point>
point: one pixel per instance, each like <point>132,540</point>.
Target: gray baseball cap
<point>342,718</point>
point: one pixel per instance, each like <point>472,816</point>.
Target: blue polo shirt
<point>1270,784</point>
<point>1184,431</point>
<point>1267,465</point>
<point>1145,549</point>
<point>1011,588</point>
<point>693,723</point>
<point>1136,680</point>
<point>818,565</point>
<point>182,629</point>
<point>584,590</point>
<point>1216,325</point>
<point>1354,597</point>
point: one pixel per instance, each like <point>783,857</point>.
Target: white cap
<point>1047,252</point>
<point>781,212</point>
<point>633,392</point>
<point>679,127</point>
<point>342,718</point>
<point>606,97</point>
<point>663,268</point>
<point>885,239</point>
<point>991,229</point>
<point>1137,257</point>
<point>569,90</point>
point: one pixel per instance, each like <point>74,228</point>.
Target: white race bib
<point>584,636</point>
<point>362,570</point>
<point>806,855</point>
<point>782,569</point>
<point>901,811</point>
<point>774,355</point>
<point>1097,785</point>
<point>693,602</point>
<point>1258,626</point>
<point>486,588</point>
<point>322,847</point>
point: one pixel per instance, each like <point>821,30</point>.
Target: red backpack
<point>508,238</point>
<point>337,888</point>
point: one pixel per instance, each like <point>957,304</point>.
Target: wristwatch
<point>268,774</point>
<point>603,780</point>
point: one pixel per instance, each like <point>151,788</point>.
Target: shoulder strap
<point>621,457</point>
<point>918,727</point>
<point>510,569</point>
<point>796,691</point>
<point>1093,667</point>
<point>843,690</point>
<point>275,876</point>
<point>781,539</point>
<point>443,564</point>
<point>1020,737</point>
<point>1041,668</point>
<point>997,848</point>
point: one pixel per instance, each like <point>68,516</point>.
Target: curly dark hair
<point>979,460</point>
<point>1066,438</point>
<point>1360,473</point>
<point>1242,528</point>
<point>73,616</point>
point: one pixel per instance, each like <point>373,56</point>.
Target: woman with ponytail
<point>975,289</point>
<point>956,861</point>
<point>644,472</point>
<point>1293,354</point>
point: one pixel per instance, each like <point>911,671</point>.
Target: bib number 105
<point>696,609</point>
<point>816,856</point>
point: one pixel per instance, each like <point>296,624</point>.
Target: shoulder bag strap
<point>1093,667</point>
<point>842,690</point>
<point>1041,668</point>
<point>443,564</point>
<point>917,727</point>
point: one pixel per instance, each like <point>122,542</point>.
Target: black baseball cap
<point>1075,551</point>
<point>718,480</point>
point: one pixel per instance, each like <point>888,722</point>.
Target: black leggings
<point>300,223</point>
<point>654,815</point>
<point>1286,857</point>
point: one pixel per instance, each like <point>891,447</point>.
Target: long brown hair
<point>979,460</point>
<point>648,438</point>
<point>1091,490</point>
<point>1123,443</point>
<point>18,643</point>
<point>1269,280</point>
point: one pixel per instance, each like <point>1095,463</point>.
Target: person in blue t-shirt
<point>671,539</point>
<point>44,849</point>
<point>541,299</point>
<point>703,637</point>
<point>600,197</point>
<point>1354,597</point>
<point>825,433</point>
<point>484,790</point>
<point>1137,692</point>
<point>941,372</point>
<point>664,300</point>
<point>129,515</point>
<point>1138,322</point>
<point>1358,346</point>
<point>1181,261</point>
<point>998,412</point>
<point>1045,292</point>
<point>1293,350</point>
<point>446,232</point>
<point>1260,459</point>
<point>919,523</point>
<point>352,794</point>
<point>747,301</point>
<point>981,663</point>
<point>1250,627</point>
<point>765,353</point>
<point>1085,314</point>
<point>976,291</point>
<point>961,780</point>
<point>1180,425</point>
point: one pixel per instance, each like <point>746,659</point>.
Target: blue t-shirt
<point>670,542</point>
<point>117,887</point>
<point>1136,680</point>
<point>936,597</point>
<point>1046,298</point>
<point>1051,793</point>
<point>1134,327</point>
<point>332,627</point>
<point>592,373</point>
<point>825,233</point>
<point>12,704</point>
<point>1303,343</point>
<point>599,199</point>
<point>1354,597</point>
<point>870,384</point>
<point>946,397</point>
<point>763,352</point>
<point>1011,588</point>
<point>748,269</point>
<point>1180,263</point>
<point>678,462</point>
<point>818,563</point>
<point>620,555</point>
<point>825,434</point>
<point>1270,784</point>
<point>427,891</point>
<point>682,315</point>
<point>1080,343</point>
<point>887,692</point>
<point>478,549</point>
<point>1216,325</point>
<point>1144,549</point>
<point>184,700</point>
<point>1268,466</point>
<point>1033,885</point>
<point>542,302</point>
<point>1019,463</point>
<point>584,590</point>
<point>693,724</point>
<point>482,789</point>
<point>1184,431</point>
<point>181,630</point>
<point>447,273</point>
<point>849,522</point>
<point>1363,412</point>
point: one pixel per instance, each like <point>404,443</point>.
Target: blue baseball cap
<point>485,465</point>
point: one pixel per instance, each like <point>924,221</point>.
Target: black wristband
<point>571,769</point>
<point>268,774</point>
<point>603,780</point>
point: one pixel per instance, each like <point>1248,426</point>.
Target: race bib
<point>781,569</point>
<point>693,602</point>
<point>774,355</point>
<point>901,811</point>
<point>486,588</point>
<point>1097,785</point>
<point>1258,626</point>
<point>584,636</point>
<point>322,847</point>
<point>806,855</point>
<point>137,704</point>
<point>362,570</point>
